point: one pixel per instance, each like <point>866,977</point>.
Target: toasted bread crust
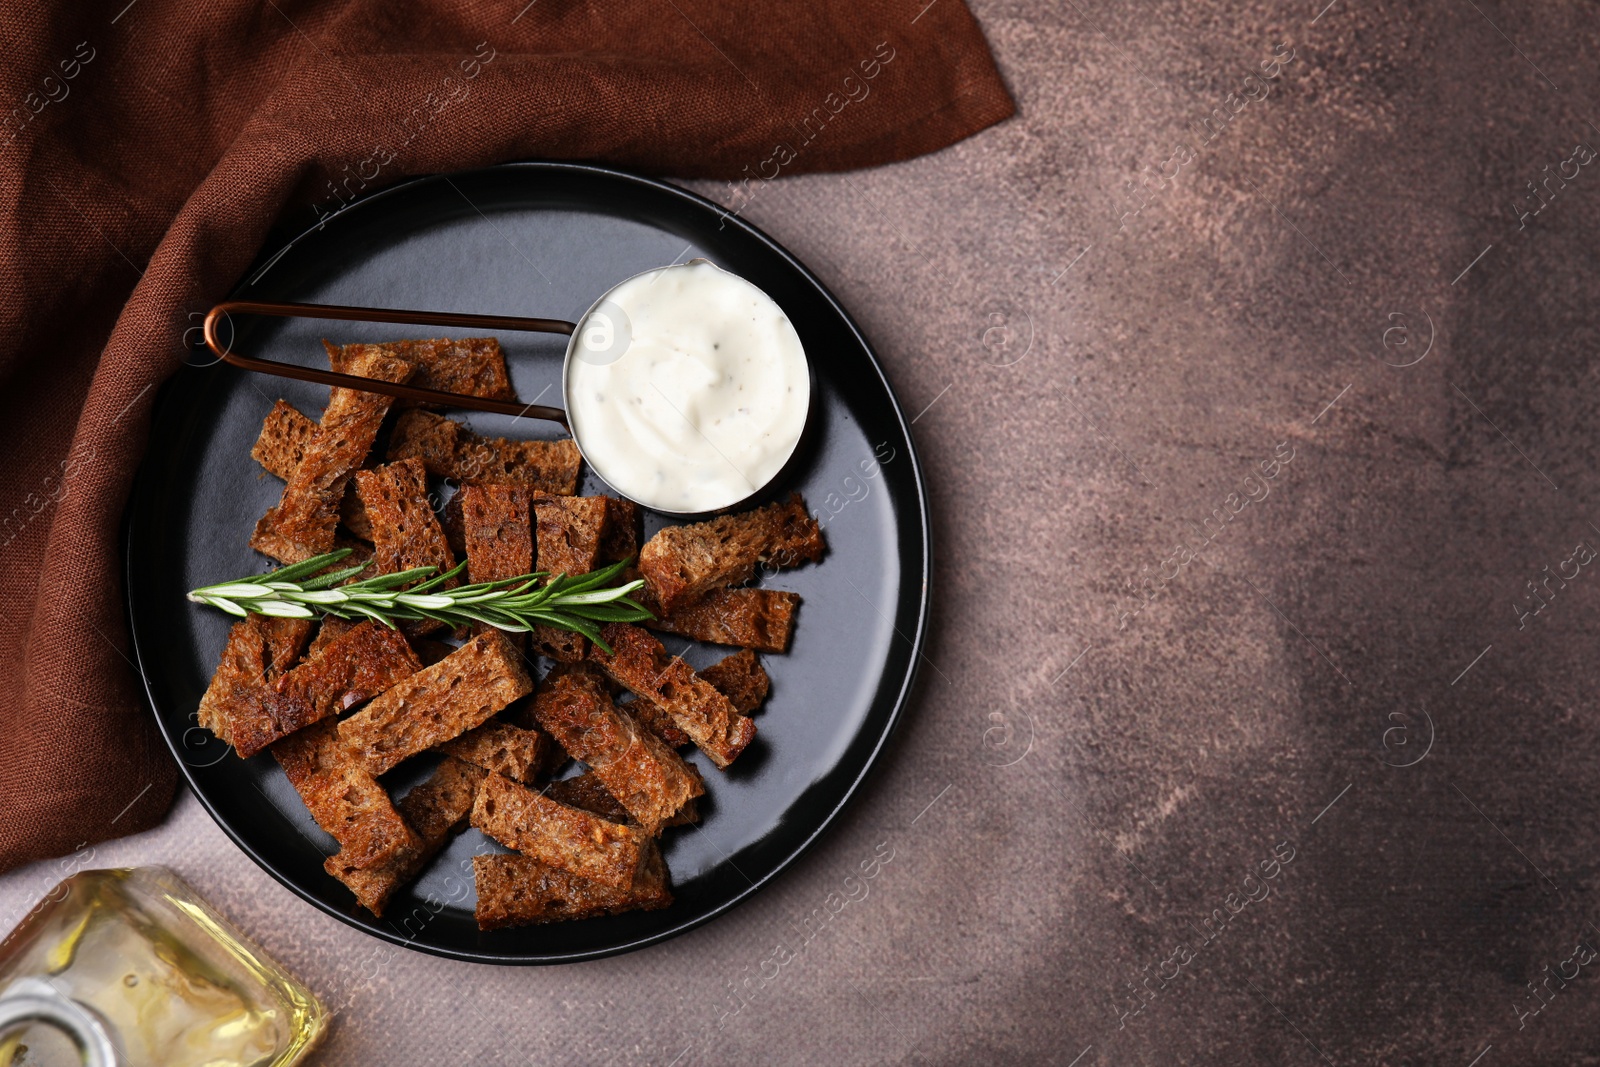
<point>497,530</point>
<point>344,798</point>
<point>303,523</point>
<point>470,366</point>
<point>438,703</point>
<point>504,749</point>
<point>450,450</point>
<point>640,663</point>
<point>650,780</point>
<point>683,563</point>
<point>557,835</point>
<point>355,666</point>
<point>516,890</point>
<point>762,619</point>
<point>436,810</point>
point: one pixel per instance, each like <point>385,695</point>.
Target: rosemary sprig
<point>579,603</point>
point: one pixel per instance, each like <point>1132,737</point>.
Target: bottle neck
<point>33,1001</point>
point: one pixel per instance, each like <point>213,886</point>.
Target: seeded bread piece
<point>587,792</point>
<point>515,890</point>
<point>405,531</point>
<point>450,450</point>
<point>436,811</point>
<point>641,664</point>
<point>344,797</point>
<point>355,666</point>
<point>762,619</point>
<point>558,835</point>
<point>683,563</point>
<point>437,703</point>
<point>650,780</point>
<point>259,650</point>
<point>497,530</point>
<point>469,367</point>
<point>303,523</point>
<point>518,754</point>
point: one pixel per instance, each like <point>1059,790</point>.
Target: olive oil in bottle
<point>131,968</point>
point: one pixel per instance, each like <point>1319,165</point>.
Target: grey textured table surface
<point>1206,766</point>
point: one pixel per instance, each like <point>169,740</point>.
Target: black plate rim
<point>902,697</point>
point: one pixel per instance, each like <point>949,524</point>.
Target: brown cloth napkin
<point>150,145</point>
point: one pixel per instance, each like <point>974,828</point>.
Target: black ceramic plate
<point>541,239</point>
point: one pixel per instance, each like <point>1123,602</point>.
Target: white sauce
<point>687,389</point>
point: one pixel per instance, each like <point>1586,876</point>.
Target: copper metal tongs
<point>370,385</point>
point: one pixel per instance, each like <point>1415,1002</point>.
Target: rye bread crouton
<point>587,792</point>
<point>437,703</point>
<point>497,531</point>
<point>357,665</point>
<point>472,366</point>
<point>570,533</point>
<point>620,537</point>
<point>450,450</point>
<point>405,531</point>
<point>282,445</point>
<point>436,810</point>
<point>518,890</point>
<point>557,835</point>
<point>431,438</point>
<point>650,780</point>
<point>563,646</point>
<point>762,619</point>
<point>648,713</point>
<point>344,798</point>
<point>683,563</point>
<point>741,678</point>
<point>519,754</point>
<point>303,523</point>
<point>285,436</point>
<point>454,526</point>
<point>640,663</point>
<point>258,651</point>
<point>331,630</point>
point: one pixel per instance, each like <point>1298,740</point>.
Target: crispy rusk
<point>437,703</point>
<point>640,663</point>
<point>683,563</point>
